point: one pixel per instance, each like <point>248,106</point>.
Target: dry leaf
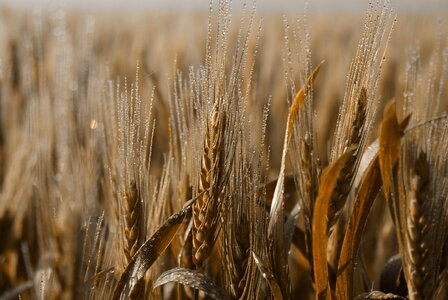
<point>193,279</point>
<point>267,274</point>
<point>367,193</point>
<point>276,223</point>
<point>390,133</point>
<point>298,101</point>
<point>14,293</point>
<point>368,156</point>
<point>377,295</point>
<point>149,252</point>
<point>319,234</point>
<point>289,190</point>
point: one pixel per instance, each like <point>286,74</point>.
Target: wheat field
<point>225,154</point>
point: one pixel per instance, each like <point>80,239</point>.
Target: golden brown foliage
<point>227,168</point>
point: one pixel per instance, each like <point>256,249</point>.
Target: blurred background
<point>110,37</point>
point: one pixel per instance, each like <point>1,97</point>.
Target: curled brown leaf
<point>319,232</point>
<point>148,253</point>
<point>367,193</point>
<point>193,279</point>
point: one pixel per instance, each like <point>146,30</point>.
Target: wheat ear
<point>417,226</point>
<point>133,224</point>
<point>132,219</point>
<point>345,179</point>
<point>205,209</point>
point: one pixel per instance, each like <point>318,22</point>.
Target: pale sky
<point>262,5</point>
